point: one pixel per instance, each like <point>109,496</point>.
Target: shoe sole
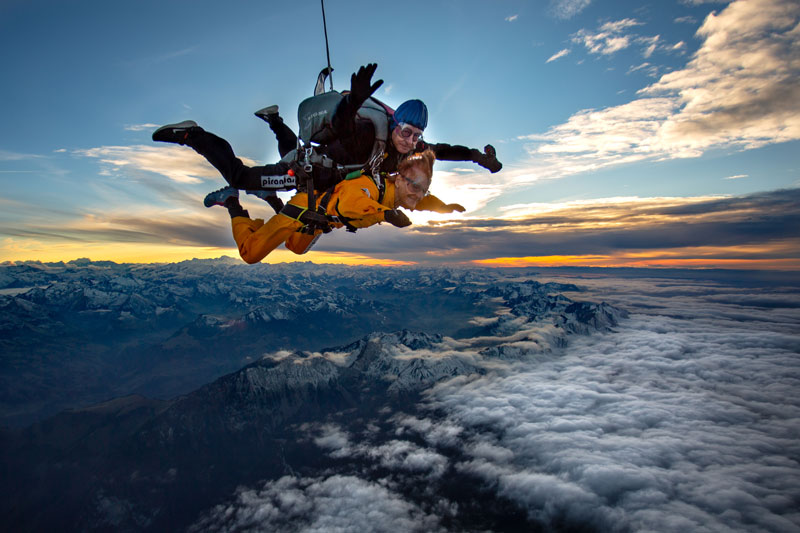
<point>267,111</point>
<point>185,125</point>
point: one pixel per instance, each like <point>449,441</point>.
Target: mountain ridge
<point>156,464</point>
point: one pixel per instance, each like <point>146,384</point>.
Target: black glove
<point>488,159</point>
<point>396,218</point>
<point>360,88</point>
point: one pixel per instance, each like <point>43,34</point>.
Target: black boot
<point>268,114</point>
<point>176,133</point>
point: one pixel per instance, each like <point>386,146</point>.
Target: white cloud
<point>336,503</point>
<point>473,190</point>
<point>736,177</point>
<point>177,163</point>
<point>683,419</point>
<point>741,89</point>
<point>566,9</point>
<point>558,55</point>
<point>609,39</point>
<point>512,18</point>
<point>395,455</point>
<point>166,57</point>
<point>651,44</point>
<point>335,440</point>
<point>439,434</point>
<point>141,127</point>
<point>593,139</point>
<point>648,68</point>
<point>5,155</point>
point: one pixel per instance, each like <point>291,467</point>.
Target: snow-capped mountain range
<point>156,463</point>
<point>83,332</point>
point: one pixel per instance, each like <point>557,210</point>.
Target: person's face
<point>411,187</point>
<point>405,137</point>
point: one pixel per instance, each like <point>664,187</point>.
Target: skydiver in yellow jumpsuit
<point>355,203</point>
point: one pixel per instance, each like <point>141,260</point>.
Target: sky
<point>659,133</point>
<point>684,418</point>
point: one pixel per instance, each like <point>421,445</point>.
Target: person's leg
<point>256,239</point>
<point>300,243</point>
<point>219,153</point>
<point>287,140</point>
<point>271,197</point>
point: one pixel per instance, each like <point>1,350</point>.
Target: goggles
<point>407,130</point>
<point>414,186</point>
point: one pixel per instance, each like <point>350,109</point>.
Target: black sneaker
<point>176,133</point>
<point>268,114</point>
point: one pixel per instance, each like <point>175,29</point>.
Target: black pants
<point>287,140</point>
<point>219,153</point>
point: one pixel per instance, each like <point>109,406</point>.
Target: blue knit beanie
<point>411,112</point>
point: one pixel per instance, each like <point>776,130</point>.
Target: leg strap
<point>311,219</point>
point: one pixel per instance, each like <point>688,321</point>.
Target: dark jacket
<point>355,138</point>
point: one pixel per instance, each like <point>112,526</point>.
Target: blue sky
<point>617,110</point>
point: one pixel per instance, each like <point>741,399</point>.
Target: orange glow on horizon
<point>138,253</point>
<point>544,260</point>
<point>118,253</point>
<point>640,261</point>
<point>741,257</point>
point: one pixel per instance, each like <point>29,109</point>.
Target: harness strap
<point>311,220</point>
<point>338,217</point>
<point>381,183</point>
<point>341,219</point>
<point>377,156</point>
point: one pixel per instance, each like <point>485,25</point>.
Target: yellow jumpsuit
<point>355,199</point>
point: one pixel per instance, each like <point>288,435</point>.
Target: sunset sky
<point>662,133</point>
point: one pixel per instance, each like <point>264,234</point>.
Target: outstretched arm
<point>455,152</point>
<point>432,203</point>
<point>361,88</point>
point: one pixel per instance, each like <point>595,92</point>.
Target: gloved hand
<point>360,88</point>
<point>454,207</point>
<point>488,159</point>
<point>396,218</point>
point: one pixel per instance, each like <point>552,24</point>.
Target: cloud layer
<point>682,419</point>
<point>757,228</point>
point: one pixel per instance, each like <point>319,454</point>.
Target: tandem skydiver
<point>354,141</point>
